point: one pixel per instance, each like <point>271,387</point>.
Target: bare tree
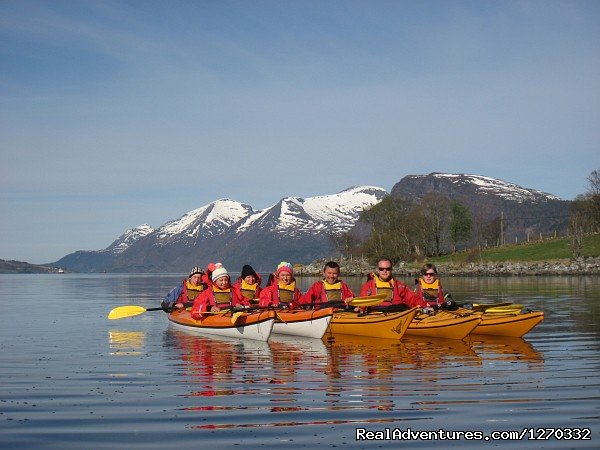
<point>580,223</point>
<point>390,229</point>
<point>593,196</point>
<point>435,209</point>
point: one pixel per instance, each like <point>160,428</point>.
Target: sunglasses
<point>384,268</point>
<point>431,274</point>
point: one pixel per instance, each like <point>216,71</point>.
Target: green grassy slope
<point>534,251</point>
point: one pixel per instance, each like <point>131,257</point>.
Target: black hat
<point>196,270</point>
<point>247,270</point>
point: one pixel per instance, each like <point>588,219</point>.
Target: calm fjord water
<point>73,379</point>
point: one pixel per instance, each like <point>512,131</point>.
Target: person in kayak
<point>383,281</point>
<point>184,294</point>
<point>328,290</point>
<point>281,291</point>
<point>218,296</point>
<point>248,285</point>
<point>429,289</point>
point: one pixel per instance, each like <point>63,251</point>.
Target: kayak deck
<point>444,325</point>
<point>307,323</point>
<point>375,324</point>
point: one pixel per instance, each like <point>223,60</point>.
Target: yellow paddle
<point>121,312</point>
<point>515,309</point>
<point>369,300</point>
<point>498,308</point>
<point>236,315</point>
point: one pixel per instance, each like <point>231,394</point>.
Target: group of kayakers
<point>211,290</point>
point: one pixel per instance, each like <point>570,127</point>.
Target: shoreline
<point>578,267</point>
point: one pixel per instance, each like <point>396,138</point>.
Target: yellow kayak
<point>514,325</point>
<point>375,324</point>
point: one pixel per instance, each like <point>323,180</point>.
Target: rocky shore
<point>361,267</point>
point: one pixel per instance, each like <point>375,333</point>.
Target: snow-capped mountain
<point>209,220</point>
<point>130,236</point>
<point>331,214</point>
<point>476,184</point>
<point>300,229</point>
<point>524,211</point>
<point>225,230</point>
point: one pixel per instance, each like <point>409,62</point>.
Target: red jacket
<point>269,296</point>
<point>237,287</point>
<point>206,300</point>
<point>401,293</point>
<point>317,294</point>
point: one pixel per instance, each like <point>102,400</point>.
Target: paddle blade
<point>499,308</point>
<point>235,316</point>
<point>513,309</point>
<point>369,300</point>
<point>125,311</point>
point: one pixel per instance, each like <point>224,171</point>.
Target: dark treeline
<point>406,230</point>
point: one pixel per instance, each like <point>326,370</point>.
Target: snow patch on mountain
<point>253,218</point>
<point>334,213</point>
<point>488,185</point>
<point>130,236</point>
<point>343,206</point>
<point>212,218</point>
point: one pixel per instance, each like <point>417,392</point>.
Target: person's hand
<point>179,305</point>
<point>215,309</point>
<point>348,300</point>
<point>449,305</point>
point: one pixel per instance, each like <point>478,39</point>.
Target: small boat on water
<point>391,325</point>
<point>255,325</point>
<point>306,323</point>
<point>444,324</point>
<point>510,324</point>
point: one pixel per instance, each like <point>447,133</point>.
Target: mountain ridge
<point>299,229</point>
<point>225,230</point>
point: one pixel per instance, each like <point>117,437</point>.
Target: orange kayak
<point>444,325</point>
<point>251,325</point>
<point>299,322</point>
<point>375,324</point>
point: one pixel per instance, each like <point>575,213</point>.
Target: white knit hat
<point>219,272</point>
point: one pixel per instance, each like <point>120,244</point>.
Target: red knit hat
<point>284,267</point>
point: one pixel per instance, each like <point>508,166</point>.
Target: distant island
<point>23,267</point>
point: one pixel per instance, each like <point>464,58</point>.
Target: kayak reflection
<point>505,348</point>
<point>126,343</point>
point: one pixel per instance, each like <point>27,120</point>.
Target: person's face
<point>384,270</point>
<point>250,279</point>
<point>285,277</point>
<point>196,279</point>
<point>222,283</point>
<point>331,274</point>
<point>429,275</point>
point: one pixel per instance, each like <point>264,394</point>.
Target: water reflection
<point>505,348</point>
<point>290,381</point>
<point>126,343</point>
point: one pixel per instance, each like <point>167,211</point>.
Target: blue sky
<point>115,114</point>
